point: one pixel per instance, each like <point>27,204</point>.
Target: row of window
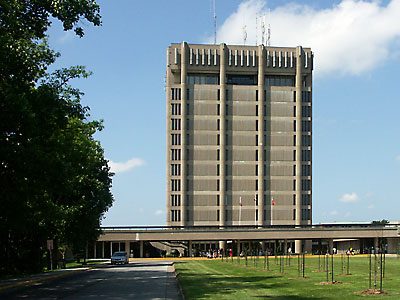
<point>175,185</point>
<point>235,79</point>
<point>176,215</point>
<point>175,93</point>
<point>176,124</point>
<point>305,154</point>
<point>175,200</point>
<point>176,139</point>
<point>175,169</point>
<point>306,97</point>
<point>305,170</point>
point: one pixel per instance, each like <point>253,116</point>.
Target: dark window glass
<point>242,79</point>
<point>202,79</point>
<point>279,80</point>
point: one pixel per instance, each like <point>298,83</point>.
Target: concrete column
<point>141,249</point>
<point>222,245</point>
<point>330,246</point>
<point>190,248</point>
<point>102,249</point>
<point>376,243</point>
<point>285,247</point>
<point>298,246</point>
<point>128,248</point>
<point>298,132</point>
<point>184,50</point>
<point>261,142</point>
<point>222,133</point>
<point>111,250</point>
<point>94,250</point>
<point>238,247</point>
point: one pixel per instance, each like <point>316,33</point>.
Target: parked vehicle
<point>120,257</point>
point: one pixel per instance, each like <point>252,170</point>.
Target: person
<point>230,252</point>
<point>289,251</point>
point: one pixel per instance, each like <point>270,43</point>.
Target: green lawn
<point>216,279</point>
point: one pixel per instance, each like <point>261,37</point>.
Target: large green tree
<point>54,180</point>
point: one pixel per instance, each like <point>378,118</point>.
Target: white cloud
<point>371,206</point>
<point>349,37</point>
<point>349,198</point>
<point>334,213</point>
<point>398,158</point>
<point>159,212</point>
<point>119,167</point>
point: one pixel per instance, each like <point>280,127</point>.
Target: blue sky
<point>356,146</point>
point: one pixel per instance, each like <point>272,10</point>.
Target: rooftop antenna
<point>269,29</point>
<point>257,29</point>
<point>215,21</point>
<point>244,35</point>
<point>262,30</point>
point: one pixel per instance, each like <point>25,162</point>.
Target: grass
<point>217,279</point>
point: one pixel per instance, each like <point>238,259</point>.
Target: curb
<point>178,283</point>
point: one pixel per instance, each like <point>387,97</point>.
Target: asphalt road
<point>138,280</point>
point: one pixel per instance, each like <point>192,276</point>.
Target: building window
<point>176,139</point>
<point>294,140</point>
<point>218,139</point>
<point>294,214</point>
<point>175,109</point>
<point>176,124</point>
<point>294,199</point>
<point>176,94</point>
<point>256,155</point>
<point>203,79</point>
<point>241,79</point>
<point>305,126</point>
<point>305,96</point>
<point>306,111</point>
<point>175,169</point>
<point>305,170</point>
<point>305,214</point>
<point>306,155</point>
<point>218,200</point>
<point>306,140</point>
<point>256,95</point>
<point>217,214</point>
<point>256,110</point>
<point>256,170</point>
<point>256,139</point>
<point>175,154</point>
<point>279,80</point>
<point>218,94</point>
<point>306,185</point>
<point>305,199</point>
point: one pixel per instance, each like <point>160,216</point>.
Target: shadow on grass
<point>198,285</point>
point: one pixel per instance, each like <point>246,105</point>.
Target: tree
<point>55,182</point>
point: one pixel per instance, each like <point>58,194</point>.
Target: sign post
<point>50,247</point>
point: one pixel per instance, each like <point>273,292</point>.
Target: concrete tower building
<point>239,135</point>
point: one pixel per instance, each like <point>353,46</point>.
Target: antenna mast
<point>215,22</point>
<point>269,29</point>
<point>262,30</point>
<point>244,35</point>
<point>257,29</point>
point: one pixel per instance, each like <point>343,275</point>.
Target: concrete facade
<point>239,135</point>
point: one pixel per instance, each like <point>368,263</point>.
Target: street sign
<point>50,245</point>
